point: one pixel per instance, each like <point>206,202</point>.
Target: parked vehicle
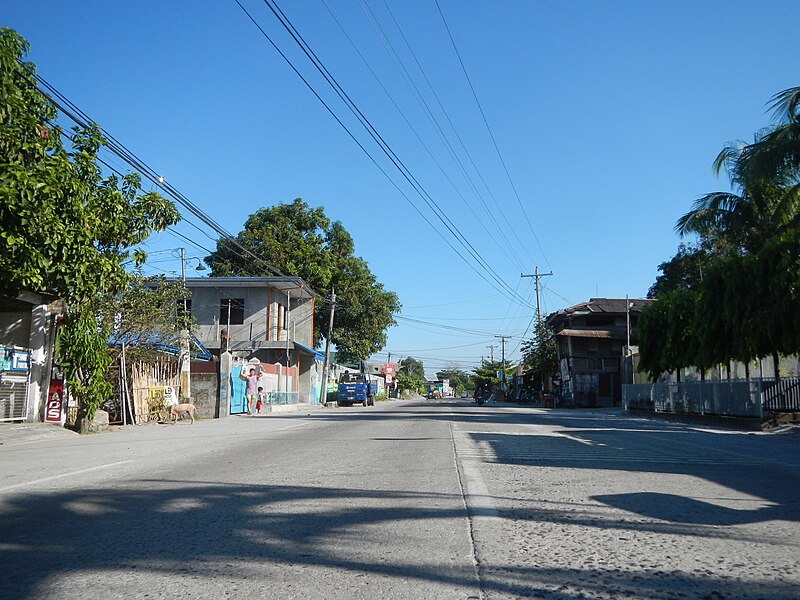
<point>434,395</point>
<point>355,388</point>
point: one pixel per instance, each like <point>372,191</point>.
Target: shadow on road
<point>207,530</point>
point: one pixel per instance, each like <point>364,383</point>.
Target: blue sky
<point>607,116</point>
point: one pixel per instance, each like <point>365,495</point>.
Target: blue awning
<point>317,355</point>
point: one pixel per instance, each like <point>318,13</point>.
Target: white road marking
<point>62,475</point>
<point>479,499</point>
<point>290,427</point>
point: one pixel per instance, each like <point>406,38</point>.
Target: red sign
<point>389,369</point>
<point>55,401</point>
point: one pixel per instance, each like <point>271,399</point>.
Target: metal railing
<point>283,398</point>
<point>782,395</point>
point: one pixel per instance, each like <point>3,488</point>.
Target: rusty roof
<point>601,305</point>
<point>593,333</point>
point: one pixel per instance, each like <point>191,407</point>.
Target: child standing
<point>259,399</point>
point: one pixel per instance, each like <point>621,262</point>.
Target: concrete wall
<point>206,312</point>
<point>15,328</point>
<point>205,394</point>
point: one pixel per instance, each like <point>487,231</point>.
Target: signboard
<point>55,402</point>
<point>389,372</point>
<point>564,369</point>
<point>12,359</point>
<point>165,393</point>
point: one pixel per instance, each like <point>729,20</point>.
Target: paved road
<point>404,500</point>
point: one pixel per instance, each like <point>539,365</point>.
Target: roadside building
<point>27,332</point>
<point>259,320</point>
<point>594,348</point>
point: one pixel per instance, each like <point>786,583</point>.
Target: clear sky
<point>607,116</point>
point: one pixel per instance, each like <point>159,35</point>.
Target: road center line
<point>291,427</point>
<point>62,475</point>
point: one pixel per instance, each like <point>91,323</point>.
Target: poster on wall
<point>564,369</point>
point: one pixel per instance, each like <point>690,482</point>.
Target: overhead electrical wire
<point>491,135</point>
<point>385,148</point>
<point>311,55</point>
<point>422,142</point>
<point>68,108</point>
<point>463,146</point>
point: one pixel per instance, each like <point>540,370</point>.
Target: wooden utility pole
<point>536,276</point>
<point>326,364</point>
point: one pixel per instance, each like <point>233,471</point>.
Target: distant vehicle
<point>465,394</point>
<point>356,388</point>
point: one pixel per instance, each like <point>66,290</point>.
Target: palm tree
<point>765,177</point>
<point>777,154</point>
<point>740,221</point>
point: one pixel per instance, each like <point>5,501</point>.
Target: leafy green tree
<point>301,241</point>
<point>410,374</point>
<point>486,374</point>
<point>667,338</point>
<point>684,270</point>
<point>146,313</point>
<point>459,380</point>
<point>540,353</point>
<point>66,228</point>
<point>745,303</point>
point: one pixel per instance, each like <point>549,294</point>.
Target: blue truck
<point>356,388</point>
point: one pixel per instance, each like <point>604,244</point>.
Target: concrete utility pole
<point>503,361</point>
<point>326,364</point>
<point>491,348</point>
<point>536,276</point>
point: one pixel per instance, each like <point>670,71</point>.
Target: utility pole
<point>185,342</point>
<point>394,373</point>
<point>536,276</point>
<point>491,348</point>
<point>503,361</point>
<point>326,364</point>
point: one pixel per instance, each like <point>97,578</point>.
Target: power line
<point>422,142</point>
<point>68,108</point>
<point>378,139</point>
<point>461,143</point>
<point>491,135</point>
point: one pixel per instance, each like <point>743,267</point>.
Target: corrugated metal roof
<point>601,305</point>
<point>589,333</point>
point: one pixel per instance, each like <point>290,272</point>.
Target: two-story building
<point>594,339</point>
<point>268,318</point>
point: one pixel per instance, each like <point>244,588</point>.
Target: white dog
<point>176,410</point>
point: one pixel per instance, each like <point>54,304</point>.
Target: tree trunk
<point>776,365</point>
<point>728,369</point>
<point>747,370</point>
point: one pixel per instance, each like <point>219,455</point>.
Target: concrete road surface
<point>434,499</point>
